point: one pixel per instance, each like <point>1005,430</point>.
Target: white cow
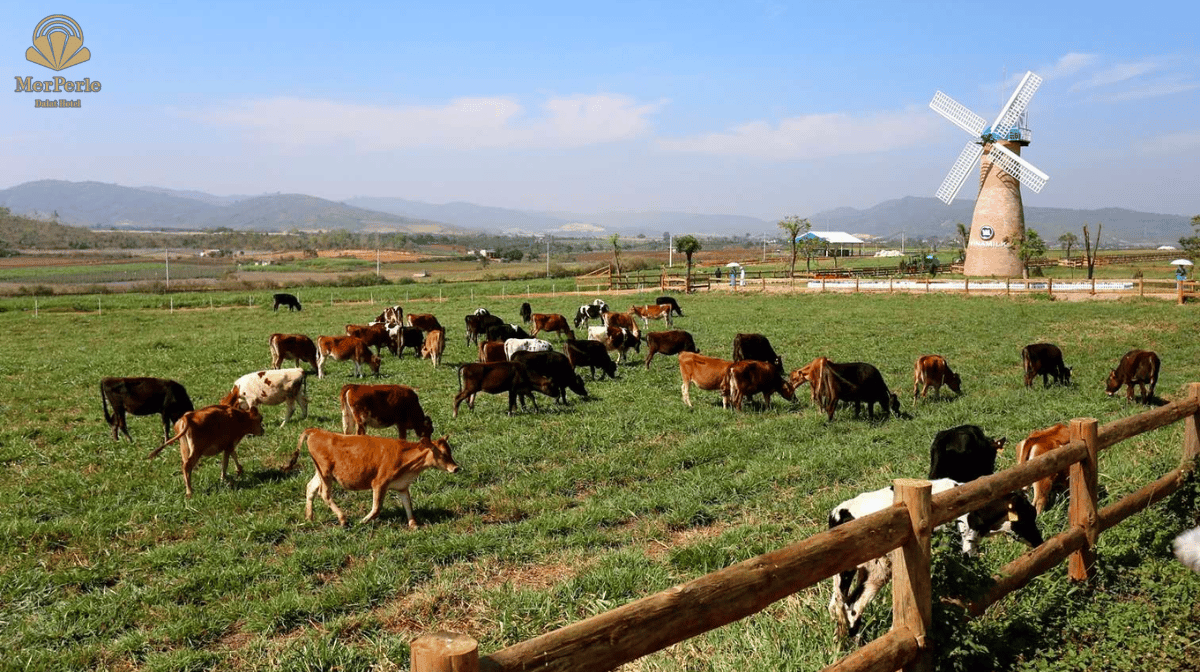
<point>525,345</point>
<point>270,388</point>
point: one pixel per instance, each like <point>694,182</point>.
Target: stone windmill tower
<point>999,214</point>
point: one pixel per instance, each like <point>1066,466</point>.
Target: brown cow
<point>435,345</point>
<point>668,343</point>
<point>750,377</point>
<point>341,348</point>
<point>292,346</point>
<point>423,321</point>
<point>374,335</point>
<point>660,311</point>
<point>492,351</point>
<point>933,371</point>
<point>706,372</point>
<point>1037,444</point>
<point>497,378</point>
<point>551,322</point>
<point>382,406</point>
<point>1045,360</point>
<point>369,463</point>
<point>1137,367</point>
<point>622,321</point>
<point>209,431</point>
<point>809,373</point>
<point>142,396</point>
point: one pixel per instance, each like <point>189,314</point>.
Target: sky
<point>759,108</point>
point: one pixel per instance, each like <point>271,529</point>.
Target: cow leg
<point>458,398</point>
<point>314,484</point>
<point>324,488</point>
<point>189,462</point>
<point>877,576</point>
<point>291,406</point>
<point>378,492</point>
<point>649,357</point>
<point>320,365</point>
<point>408,508</point>
<point>120,417</point>
<point>303,401</point>
<point>687,398</point>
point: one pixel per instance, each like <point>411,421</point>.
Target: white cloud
<point>1121,72</point>
<point>1170,143</point>
<point>462,123</point>
<point>814,136</point>
<point>1067,65</point>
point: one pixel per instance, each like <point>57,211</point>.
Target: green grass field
<point>557,515</point>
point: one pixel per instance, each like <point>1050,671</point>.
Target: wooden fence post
<point>1082,510</point>
<point>1007,289</point>
<point>822,283</point>
<point>1191,433</point>
<point>1141,286</point>
<point>1050,286</point>
<point>856,284</point>
<point>967,286</point>
<point>912,589</point>
<point>891,286</point>
<point>445,652</point>
<point>1093,285</point>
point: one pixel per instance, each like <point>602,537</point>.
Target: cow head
<point>374,363</point>
<point>577,387</point>
<point>255,421</point>
<point>1012,514</point>
<point>786,389</point>
<point>442,457</point>
<point>954,382</point>
<point>894,403</point>
<point>1113,383</point>
<point>1065,373</point>
<point>425,429</point>
<point>231,399</point>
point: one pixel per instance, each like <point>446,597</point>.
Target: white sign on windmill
<point>998,208</point>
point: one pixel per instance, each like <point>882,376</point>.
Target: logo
<point>986,232</point>
<point>57,43</point>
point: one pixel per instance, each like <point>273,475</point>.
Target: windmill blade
<point>963,166</point>
<point>1019,168</point>
<point>958,114</point>
<point>1016,105</point>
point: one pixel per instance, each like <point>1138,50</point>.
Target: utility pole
<point>670,250</point>
<point>167,257</point>
<point>547,257</point>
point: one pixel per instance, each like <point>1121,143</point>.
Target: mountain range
<point>101,205</point>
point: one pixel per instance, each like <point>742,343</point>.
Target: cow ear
<point>1000,443</point>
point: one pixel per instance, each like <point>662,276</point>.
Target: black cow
<point>1045,360</point>
<point>556,367</point>
<point>497,378</point>
<point>591,354</point>
<point>478,324</point>
<point>288,300</point>
<point>526,312</point>
<point>670,301</point>
<point>963,453</point>
<point>755,346</point>
<point>143,396</point>
<point>502,332</point>
<point>856,382</point>
<point>407,337</point>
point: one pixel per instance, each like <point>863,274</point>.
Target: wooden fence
<point>616,637</point>
<point>1006,286</point>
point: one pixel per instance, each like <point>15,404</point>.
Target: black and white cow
<point>963,453</point>
<point>590,311</point>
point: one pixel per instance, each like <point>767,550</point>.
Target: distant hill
<point>464,215</point>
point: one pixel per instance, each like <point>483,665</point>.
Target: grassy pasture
<point>559,514</point>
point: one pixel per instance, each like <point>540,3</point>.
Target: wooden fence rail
<point>608,640</point>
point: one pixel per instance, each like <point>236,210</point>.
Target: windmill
<point>999,215</point>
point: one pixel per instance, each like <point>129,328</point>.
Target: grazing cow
<point>374,335</point>
<point>669,301</point>
<point>288,300</point>
<point>621,321</point>
<point>616,338</point>
<point>755,346</point>
<point>390,315</point>
<point>497,378</point>
<point>142,396</point>
<point>963,453</point>
<point>383,406</point>
<point>369,463</point>
<point>492,351</point>
<point>809,373</point>
<point>478,325</point>
<point>656,312</point>
<point>708,373</point>
<point>270,388</point>
<point>1045,360</point>
<point>932,371</point>
<point>557,368</point>
<point>854,589</point>
<point>406,337</point>
<point>551,322</point>
<point>341,348</point>
<point>525,345</point>
<point>1137,367</point>
<point>482,312</point>
<point>526,312</point>
<point>855,382</point>
<point>212,430</point>
<point>1037,444</point>
<point>590,311</point>
<point>591,354</point>
<point>435,345</point>
<point>292,346</point>
<point>750,377</point>
<point>423,321</point>
<point>503,332</point>
<point>668,343</point>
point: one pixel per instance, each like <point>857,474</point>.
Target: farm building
<point>836,243</point>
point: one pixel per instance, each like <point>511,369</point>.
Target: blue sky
<point>756,108</point>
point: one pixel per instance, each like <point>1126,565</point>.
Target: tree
<point>1028,246</point>
<point>615,239</point>
<point>1068,241</point>
<point>687,245</point>
<point>1191,244</point>
<point>963,237</point>
<point>1089,250</point>
<point>809,247</point>
<point>794,226</point>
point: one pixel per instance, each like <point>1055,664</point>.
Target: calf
<point>383,406</point>
<point>1045,360</point>
<point>142,396</point>
<point>590,311</point>
<point>478,325</point>
<point>622,321</point>
<point>1037,444</point>
<point>932,371</point>
<point>1137,367</point>
<point>853,590</point>
<point>855,382</point>
<point>212,430</point>
<point>369,463</point>
<point>288,300</point>
<point>497,378</point>
<point>341,348</point>
<point>708,373</point>
<point>390,315</point>
<point>551,322</point>
<point>407,337</point>
<point>616,338</point>
<point>374,335</point>
<point>669,301</point>
<point>525,312</point>
<point>492,351</point>
<point>750,377</point>
<point>655,312</point>
<point>809,373</point>
<point>755,346</point>
<point>668,343</point>
<point>292,346</point>
<point>513,345</point>
<point>963,453</point>
<point>556,367</point>
<point>270,388</point>
<point>423,321</point>
<point>435,345</point>
<point>503,332</point>
<point>591,354</point>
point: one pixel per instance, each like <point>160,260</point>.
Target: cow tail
<point>185,426</point>
<point>1025,358</point>
<point>1023,451</point>
<point>104,404</point>
<point>303,441</point>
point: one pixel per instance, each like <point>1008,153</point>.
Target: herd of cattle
<point>515,362</point>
